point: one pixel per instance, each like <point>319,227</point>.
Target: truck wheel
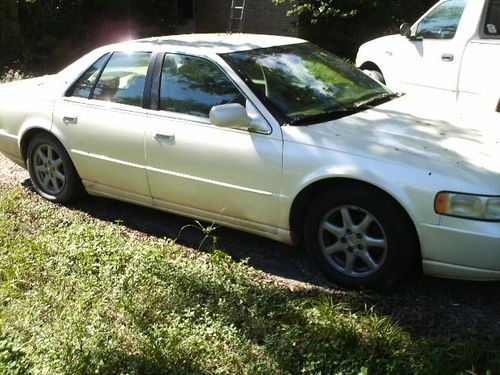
<point>376,75</point>
<point>51,170</point>
<point>360,237</point>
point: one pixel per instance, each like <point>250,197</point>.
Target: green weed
<point>79,296</point>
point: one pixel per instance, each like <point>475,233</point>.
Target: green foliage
<point>79,296</point>
<point>13,75</point>
<point>51,33</point>
<point>341,26</point>
<point>10,33</point>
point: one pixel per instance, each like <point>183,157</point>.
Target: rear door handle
<point>447,57</point>
<point>164,137</point>
<point>70,120</point>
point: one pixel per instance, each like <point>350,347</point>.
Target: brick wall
<point>264,17</point>
<point>260,17</point>
<point>212,16</point>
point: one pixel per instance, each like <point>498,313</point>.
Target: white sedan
<point>270,135</point>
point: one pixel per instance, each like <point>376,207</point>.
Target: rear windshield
<point>492,25</point>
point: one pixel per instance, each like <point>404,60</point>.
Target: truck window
<point>442,22</point>
<point>492,25</point>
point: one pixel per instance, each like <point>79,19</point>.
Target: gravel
<point>426,307</point>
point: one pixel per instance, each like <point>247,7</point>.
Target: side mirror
<point>232,115</point>
<point>405,30</point>
<point>235,116</point>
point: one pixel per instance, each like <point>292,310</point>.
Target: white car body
<point>470,78</point>
<point>249,180</point>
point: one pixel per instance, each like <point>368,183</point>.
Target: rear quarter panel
<point>25,105</point>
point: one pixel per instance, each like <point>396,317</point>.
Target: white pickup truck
<point>452,50</point>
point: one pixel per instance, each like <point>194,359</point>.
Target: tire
<point>375,250</point>
<point>51,170</point>
<point>375,74</point>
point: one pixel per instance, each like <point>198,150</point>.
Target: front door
<point>227,175</point>
<point>432,59</point>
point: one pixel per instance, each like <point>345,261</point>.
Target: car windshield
<point>304,83</point>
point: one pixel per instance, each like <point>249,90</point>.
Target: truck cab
<point>452,53</point>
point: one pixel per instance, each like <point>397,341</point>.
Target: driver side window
<point>442,22</point>
<point>193,85</point>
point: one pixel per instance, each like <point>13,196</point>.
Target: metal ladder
<point>236,16</point>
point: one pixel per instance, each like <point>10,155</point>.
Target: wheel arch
<point>370,65</point>
<point>28,135</point>
<point>305,197</point>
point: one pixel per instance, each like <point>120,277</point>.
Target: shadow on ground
<point>424,306</point>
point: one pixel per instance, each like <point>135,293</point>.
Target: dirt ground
<point>422,305</point>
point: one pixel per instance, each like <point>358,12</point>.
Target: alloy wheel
<point>353,241</point>
<point>49,169</point>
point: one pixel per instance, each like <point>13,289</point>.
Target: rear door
<point>101,121</point>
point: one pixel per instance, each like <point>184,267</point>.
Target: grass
<point>79,296</point>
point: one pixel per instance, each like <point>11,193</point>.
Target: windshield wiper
<point>376,100</point>
<point>324,116</point>
<point>345,111</point>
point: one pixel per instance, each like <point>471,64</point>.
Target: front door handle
<point>447,57</point>
<point>70,120</point>
<point>163,137</point>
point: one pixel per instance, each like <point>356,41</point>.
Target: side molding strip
<point>171,173</point>
<point>8,135</point>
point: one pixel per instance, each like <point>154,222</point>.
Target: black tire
<point>60,191</point>
<point>375,74</point>
<point>391,226</point>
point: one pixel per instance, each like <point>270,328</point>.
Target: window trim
<point>146,96</point>
<point>156,87</point>
<point>72,86</point>
<point>91,94</point>
<point>105,105</point>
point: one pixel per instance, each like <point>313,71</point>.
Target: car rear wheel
<point>51,170</point>
<point>360,237</point>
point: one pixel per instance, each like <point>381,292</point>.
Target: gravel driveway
<point>424,306</point>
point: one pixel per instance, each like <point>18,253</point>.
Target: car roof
<point>195,44</point>
<point>210,43</point>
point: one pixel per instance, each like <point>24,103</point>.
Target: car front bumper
<point>461,249</point>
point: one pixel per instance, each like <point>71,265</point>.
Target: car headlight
<point>468,206</point>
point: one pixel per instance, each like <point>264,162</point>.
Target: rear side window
<point>442,22</point>
<point>492,25</point>
<point>123,79</point>
<point>83,86</point>
<point>193,85</point>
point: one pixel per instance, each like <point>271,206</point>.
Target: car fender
<point>400,183</point>
<point>379,53</point>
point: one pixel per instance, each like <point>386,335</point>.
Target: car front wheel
<point>360,237</point>
<point>51,170</point>
<point>376,75</point>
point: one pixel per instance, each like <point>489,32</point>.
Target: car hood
<point>403,132</point>
<point>383,40</point>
